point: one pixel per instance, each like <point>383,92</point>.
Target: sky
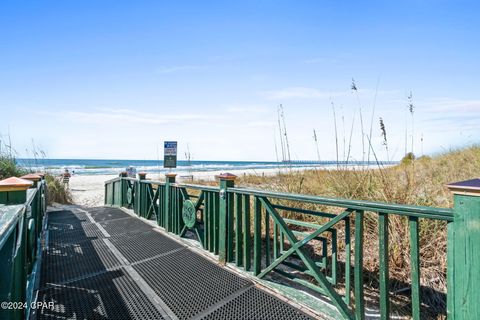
<point>114,79</point>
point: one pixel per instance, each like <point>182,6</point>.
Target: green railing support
<point>123,187</point>
<point>225,226</point>
<point>22,208</point>
<point>463,270</point>
<point>169,180</point>
<point>236,225</point>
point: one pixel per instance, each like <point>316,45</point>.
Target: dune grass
<point>57,191</point>
<point>8,168</point>
<point>415,182</point>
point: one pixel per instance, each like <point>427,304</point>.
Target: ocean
<point>90,166</point>
<point>96,166</point>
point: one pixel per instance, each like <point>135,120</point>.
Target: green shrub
<point>8,168</point>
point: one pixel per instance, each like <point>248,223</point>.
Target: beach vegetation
<point>57,191</point>
<point>414,181</point>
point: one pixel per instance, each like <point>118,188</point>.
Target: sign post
<point>170,154</point>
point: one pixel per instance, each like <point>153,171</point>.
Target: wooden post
<point>32,177</point>
<point>463,275</point>
<point>140,194</point>
<point>123,189</point>
<point>169,179</point>
<point>225,225</point>
<point>14,190</point>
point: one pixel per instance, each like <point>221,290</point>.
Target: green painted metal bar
<point>257,234</point>
<point>246,232</point>
<point>267,238</point>
<point>200,200</point>
<point>216,217</point>
<point>206,220</point>
<point>175,211</point>
<point>417,211</point>
<point>225,225</point>
<point>358,270</point>
<point>305,211</point>
<point>282,240</point>
<point>275,241</point>
<point>230,226</point>
<point>383,259</point>
<point>348,261</point>
<point>212,221</point>
<point>333,278</point>
<point>415,267</point>
<point>238,231</point>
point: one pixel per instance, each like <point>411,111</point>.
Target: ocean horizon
<point>114,166</point>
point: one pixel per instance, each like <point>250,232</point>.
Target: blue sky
<point>113,79</point>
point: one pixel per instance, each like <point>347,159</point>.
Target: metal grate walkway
<point>105,264</point>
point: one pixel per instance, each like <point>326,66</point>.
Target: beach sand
<point>89,190</point>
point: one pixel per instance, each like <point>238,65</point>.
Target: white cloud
<point>451,105</point>
<point>109,115</point>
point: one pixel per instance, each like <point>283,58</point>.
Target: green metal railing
<point>305,238</point>
<point>22,209</point>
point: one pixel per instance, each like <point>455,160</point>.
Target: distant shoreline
<point>105,167</point>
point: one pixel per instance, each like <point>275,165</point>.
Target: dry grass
<point>414,182</point>
<point>57,191</point>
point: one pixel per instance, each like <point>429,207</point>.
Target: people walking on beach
<point>66,178</point>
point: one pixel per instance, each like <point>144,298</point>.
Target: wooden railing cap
<point>227,176</point>
<point>15,184</point>
<point>31,177</point>
<point>467,187</point>
<point>170,175</point>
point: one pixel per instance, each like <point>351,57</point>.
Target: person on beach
<point>66,178</point>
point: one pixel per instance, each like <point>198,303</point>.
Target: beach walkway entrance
<point>168,250</point>
<point>103,263</point>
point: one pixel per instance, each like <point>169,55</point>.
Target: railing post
<point>169,179</point>
<point>123,189</point>
<point>141,193</point>
<point>32,177</point>
<point>463,246</point>
<point>225,225</point>
<point>14,190</point>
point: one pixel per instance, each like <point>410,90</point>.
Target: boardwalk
<point>105,264</point>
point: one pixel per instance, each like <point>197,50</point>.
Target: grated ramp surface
<point>189,283</point>
<point>139,246</point>
<point>65,262</point>
<point>107,213</point>
<point>125,225</point>
<point>111,295</point>
<point>260,305</point>
<point>134,272</point>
